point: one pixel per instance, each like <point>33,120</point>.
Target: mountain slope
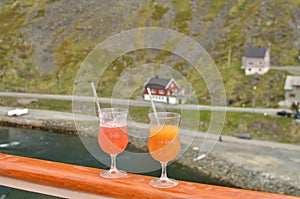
<point>44,42</point>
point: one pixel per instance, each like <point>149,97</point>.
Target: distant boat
<point>18,112</point>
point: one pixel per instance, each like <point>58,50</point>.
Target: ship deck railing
<point>73,181</point>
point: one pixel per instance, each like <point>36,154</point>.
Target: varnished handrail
<point>87,180</point>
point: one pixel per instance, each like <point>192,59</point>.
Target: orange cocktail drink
<point>113,140</point>
<point>163,142</point>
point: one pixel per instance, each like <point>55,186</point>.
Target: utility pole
<point>229,57</point>
<point>254,95</point>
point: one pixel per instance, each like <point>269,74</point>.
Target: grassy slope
<point>18,65</point>
<point>241,28</point>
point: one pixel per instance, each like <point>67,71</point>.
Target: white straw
<point>153,105</point>
<point>96,97</point>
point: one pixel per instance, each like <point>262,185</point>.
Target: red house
<point>162,90</point>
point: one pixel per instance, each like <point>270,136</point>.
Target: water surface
<point>67,149</point>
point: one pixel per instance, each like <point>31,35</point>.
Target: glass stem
<point>164,171</point>
<point>113,165</point>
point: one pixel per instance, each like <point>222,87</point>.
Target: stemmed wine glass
<point>164,144</point>
<point>113,137</point>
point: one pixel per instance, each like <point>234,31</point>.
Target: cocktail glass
<point>113,137</point>
<point>164,144</point>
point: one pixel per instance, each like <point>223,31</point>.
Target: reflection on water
<point>62,148</point>
<point>42,145</point>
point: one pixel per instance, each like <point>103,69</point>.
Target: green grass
<point>159,12</point>
<point>183,15</point>
<point>43,104</point>
<point>214,8</point>
<point>295,2</point>
<point>259,126</point>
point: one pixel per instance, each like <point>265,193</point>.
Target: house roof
<point>156,82</point>
<point>291,81</point>
<point>256,52</point>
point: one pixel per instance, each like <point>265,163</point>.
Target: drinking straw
<point>96,97</point>
<point>153,105</point>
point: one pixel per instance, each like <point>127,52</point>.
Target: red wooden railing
<point>72,181</point>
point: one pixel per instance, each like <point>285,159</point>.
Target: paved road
<point>269,111</point>
<point>295,70</point>
<point>285,68</point>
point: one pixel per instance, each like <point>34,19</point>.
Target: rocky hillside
<point>43,42</point>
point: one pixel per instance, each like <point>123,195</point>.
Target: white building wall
<point>147,97</point>
<point>256,70</point>
<point>156,98</point>
<point>172,100</point>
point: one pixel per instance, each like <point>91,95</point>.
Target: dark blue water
<point>63,148</point>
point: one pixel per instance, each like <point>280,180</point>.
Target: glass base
<point>163,183</point>
<point>113,174</point>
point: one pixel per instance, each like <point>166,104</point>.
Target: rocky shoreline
<point>57,126</point>
<point>218,165</point>
<point>218,168</point>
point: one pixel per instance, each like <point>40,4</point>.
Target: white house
<point>256,61</point>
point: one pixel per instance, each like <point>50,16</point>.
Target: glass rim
<point>164,114</point>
